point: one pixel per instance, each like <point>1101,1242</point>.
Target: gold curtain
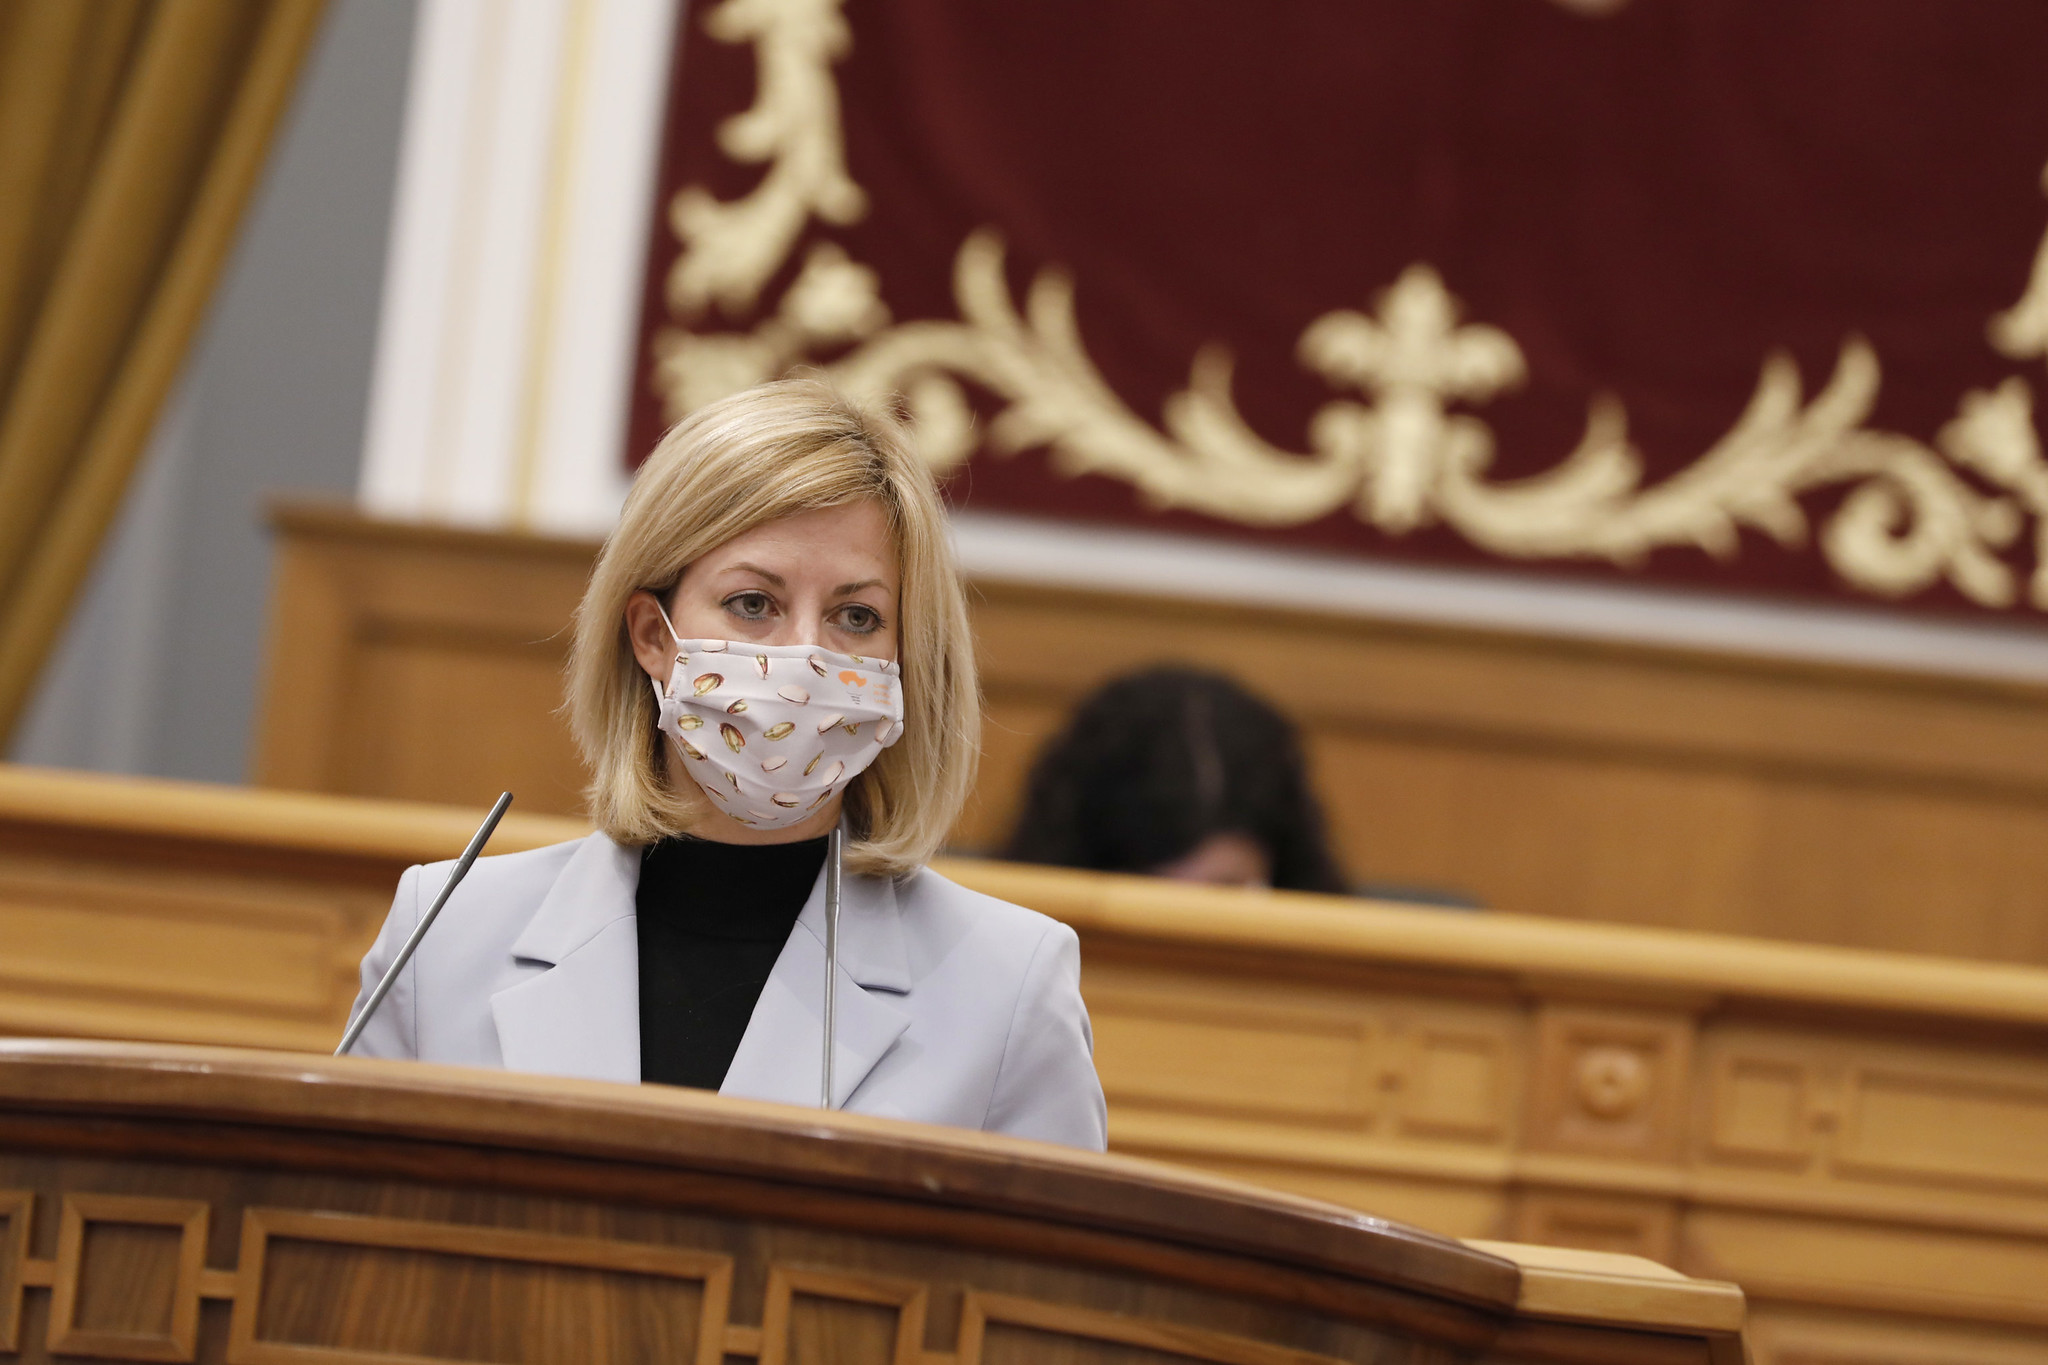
<point>131,135</point>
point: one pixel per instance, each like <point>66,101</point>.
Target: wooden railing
<point>1859,1139</point>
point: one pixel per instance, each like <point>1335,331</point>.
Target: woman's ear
<point>647,628</point>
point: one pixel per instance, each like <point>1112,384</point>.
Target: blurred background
<point>1561,460</point>
<point>1605,431</point>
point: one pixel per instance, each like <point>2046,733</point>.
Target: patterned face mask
<point>773,732</point>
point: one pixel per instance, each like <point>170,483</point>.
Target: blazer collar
<point>581,1016</point>
<point>595,887</point>
<point>871,946</point>
<point>782,1055</point>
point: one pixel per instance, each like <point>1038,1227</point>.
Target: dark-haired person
<point>1177,773</point>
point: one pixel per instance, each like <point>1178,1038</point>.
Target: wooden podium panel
<point>1856,1138</point>
<point>176,910</point>
<point>183,1204</point>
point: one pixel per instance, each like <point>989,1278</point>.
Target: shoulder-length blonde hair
<point>793,446</point>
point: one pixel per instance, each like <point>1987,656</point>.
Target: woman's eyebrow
<point>758,572</point>
<point>848,589</point>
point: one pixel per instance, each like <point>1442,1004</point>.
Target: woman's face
<point>825,578</point>
<point>816,578</point>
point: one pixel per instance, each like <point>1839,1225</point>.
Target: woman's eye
<point>751,605</point>
<point>860,620</point>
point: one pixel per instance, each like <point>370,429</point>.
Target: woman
<point>1177,773</point>
<point>773,644</point>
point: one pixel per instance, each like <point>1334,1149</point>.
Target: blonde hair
<point>792,446</point>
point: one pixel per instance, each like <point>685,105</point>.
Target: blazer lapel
<point>580,1015</point>
<point>782,1055</point>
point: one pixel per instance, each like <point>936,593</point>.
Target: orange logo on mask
<point>852,679</point>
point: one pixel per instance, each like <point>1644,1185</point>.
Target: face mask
<point>773,732</point>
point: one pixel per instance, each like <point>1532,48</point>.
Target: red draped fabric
<point>1749,294</point>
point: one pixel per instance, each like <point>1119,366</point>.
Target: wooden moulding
<point>667,1127</point>
<point>159,810</point>
<point>260,1226</point>
<point>1691,967</point>
<point>175,1337</point>
<point>655,1146</point>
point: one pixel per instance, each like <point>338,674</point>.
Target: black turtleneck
<point>712,920</point>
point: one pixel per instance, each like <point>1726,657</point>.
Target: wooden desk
<point>172,1204</point>
<point>1859,1139</point>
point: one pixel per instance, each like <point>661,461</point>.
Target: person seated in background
<point>1177,773</point>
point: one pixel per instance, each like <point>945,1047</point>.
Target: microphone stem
<point>412,940</point>
<point>834,844</point>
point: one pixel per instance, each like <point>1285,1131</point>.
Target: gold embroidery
<point>833,301</point>
<point>1410,360</point>
<point>2022,331</point>
<point>1995,435</point>
<point>731,247</point>
<point>1401,459</point>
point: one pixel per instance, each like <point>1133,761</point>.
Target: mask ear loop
<point>835,845</point>
<point>664,691</point>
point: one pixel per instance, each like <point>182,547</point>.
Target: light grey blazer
<point>952,1007</point>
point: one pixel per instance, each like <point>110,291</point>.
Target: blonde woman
<point>773,646</point>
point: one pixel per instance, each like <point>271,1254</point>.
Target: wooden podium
<point>176,1204</point>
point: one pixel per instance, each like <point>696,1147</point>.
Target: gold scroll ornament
<point>1392,450</point>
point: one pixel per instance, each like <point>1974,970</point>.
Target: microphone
<point>835,844</point>
<point>412,940</point>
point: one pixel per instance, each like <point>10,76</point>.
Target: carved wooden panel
<point>1878,1112</point>
<point>1414,1066</point>
<point>1877,1266</point>
<point>127,1277</point>
<point>1610,1081</point>
<point>1254,1059</point>
<point>182,911</point>
<point>16,1206</point>
<point>181,940</point>
<point>312,1284</point>
<point>1956,1124</point>
<point>1783,1335</point>
<point>821,1314</point>
<point>1759,1111</point>
<point>1259,1050</point>
<point>998,1329</point>
<point>333,1288</point>
<point>1456,1081</point>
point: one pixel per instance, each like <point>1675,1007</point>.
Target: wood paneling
<point>416,666</point>
<point>317,1283</point>
<point>207,914</point>
<point>378,1211</point>
<point>1623,784</point>
<point>1605,782</point>
<point>126,1281</point>
<point>1858,1136</point>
